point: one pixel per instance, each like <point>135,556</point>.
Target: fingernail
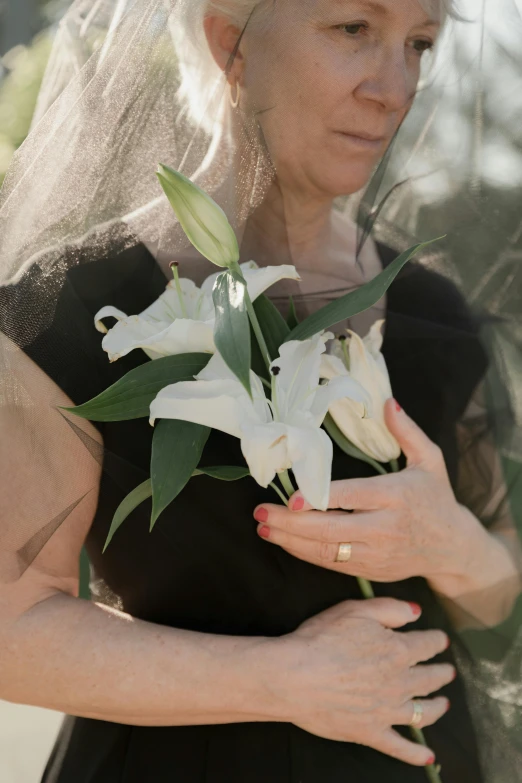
<point>298,504</point>
<point>397,406</point>
<point>415,608</point>
<point>455,674</point>
<point>448,706</point>
<point>431,760</point>
<point>264,531</point>
<point>261,514</point>
<point>448,644</point>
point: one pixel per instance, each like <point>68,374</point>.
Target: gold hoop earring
<point>234,102</point>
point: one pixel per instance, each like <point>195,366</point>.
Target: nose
<point>390,80</point>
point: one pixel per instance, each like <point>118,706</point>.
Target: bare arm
<point>344,675</point>
<point>59,652</point>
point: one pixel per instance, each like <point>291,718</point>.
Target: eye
<point>421,45</point>
<point>353,29</point>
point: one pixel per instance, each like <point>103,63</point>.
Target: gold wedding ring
<point>418,714</point>
<point>344,553</point>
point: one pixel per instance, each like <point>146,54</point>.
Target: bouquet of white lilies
<point>204,373</point>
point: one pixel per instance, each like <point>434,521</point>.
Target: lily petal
<point>260,280</point>
<point>265,449</point>
<point>311,452</point>
<point>369,434</point>
<point>215,404</point>
<point>336,389</point>
<point>157,340</point>
<point>299,363</point>
<point>107,312</point>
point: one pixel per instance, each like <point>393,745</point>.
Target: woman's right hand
<point>352,677</point>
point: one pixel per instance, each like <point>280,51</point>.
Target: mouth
<point>364,139</point>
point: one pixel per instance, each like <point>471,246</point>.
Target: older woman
<point>213,655</point>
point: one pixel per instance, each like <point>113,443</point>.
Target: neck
<point>288,228</point>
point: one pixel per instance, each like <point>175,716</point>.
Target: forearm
<point>481,587</point>
<point>87,660</point>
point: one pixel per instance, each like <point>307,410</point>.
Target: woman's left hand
<point>402,525</point>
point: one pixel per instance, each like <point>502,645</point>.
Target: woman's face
<point>320,73</point>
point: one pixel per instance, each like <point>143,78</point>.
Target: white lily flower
<point>182,319</point>
<point>275,435</point>
<point>364,363</point>
<point>202,220</point>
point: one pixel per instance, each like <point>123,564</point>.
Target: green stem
<point>366,587</point>
<point>266,383</point>
<point>257,330</point>
<point>281,495</point>
<point>394,465</point>
<point>285,480</point>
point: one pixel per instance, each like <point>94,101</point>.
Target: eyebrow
<point>382,10</point>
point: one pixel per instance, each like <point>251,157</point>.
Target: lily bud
<point>368,367</point>
<point>202,220</point>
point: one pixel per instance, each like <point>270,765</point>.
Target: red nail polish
<point>298,504</point>
<point>397,407</point>
<point>415,608</point>
<point>264,531</point>
<point>430,761</point>
<point>261,514</point>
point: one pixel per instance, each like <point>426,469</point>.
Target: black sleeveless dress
<point>204,568</point>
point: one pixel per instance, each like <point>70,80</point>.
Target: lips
<point>363,135</point>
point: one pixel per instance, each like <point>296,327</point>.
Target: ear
<point>222,39</point>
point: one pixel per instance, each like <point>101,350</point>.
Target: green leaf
<point>224,472</point>
<point>347,446</point>
<point>292,320</point>
<point>177,447</point>
<point>356,301</point>
<point>273,325</point>
<point>232,329</point>
<point>131,396</point>
<point>127,506</point>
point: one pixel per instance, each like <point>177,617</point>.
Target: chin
<point>344,178</point>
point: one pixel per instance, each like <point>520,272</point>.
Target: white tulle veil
<point>130,84</point>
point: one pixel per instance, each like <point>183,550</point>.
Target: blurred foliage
<point>24,66</point>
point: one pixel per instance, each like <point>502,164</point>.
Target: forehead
<point>429,10</point>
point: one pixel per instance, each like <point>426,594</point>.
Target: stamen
<point>174,266</point>
<point>344,345</point>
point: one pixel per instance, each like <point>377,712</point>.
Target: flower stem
<point>257,330</point>
<point>281,494</point>
<point>432,772</point>
<point>285,480</point>
<point>175,272</point>
<point>394,465</point>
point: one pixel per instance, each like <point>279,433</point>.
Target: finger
<point>320,553</point>
<point>330,526</point>
<point>432,711</point>
<point>424,645</point>
<point>366,494</point>
<point>415,444</point>
<point>396,746</point>
<point>425,680</point>
<point>389,612</point>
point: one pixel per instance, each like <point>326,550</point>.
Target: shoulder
<point>48,310</point>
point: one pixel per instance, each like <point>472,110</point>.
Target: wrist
<point>265,665</point>
<point>480,560</point>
